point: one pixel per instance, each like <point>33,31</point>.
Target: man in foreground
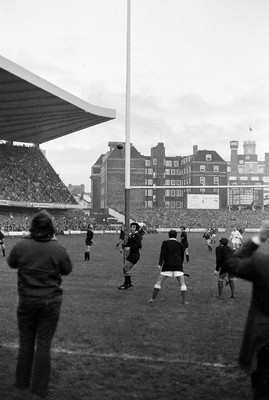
<point>40,261</point>
<point>253,265</point>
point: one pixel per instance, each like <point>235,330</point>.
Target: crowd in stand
<point>20,221</point>
<point>195,219</point>
<point>78,220</point>
<point>27,176</point>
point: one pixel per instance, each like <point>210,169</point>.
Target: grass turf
<point>112,344</point>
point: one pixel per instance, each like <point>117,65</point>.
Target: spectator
<point>40,261</point>
<point>247,263</point>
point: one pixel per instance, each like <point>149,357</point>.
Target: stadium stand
<point>27,176</point>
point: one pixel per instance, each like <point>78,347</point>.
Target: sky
<point>199,72</point>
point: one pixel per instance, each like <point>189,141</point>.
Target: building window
<point>146,171</point>
<point>150,171</point>
<point>150,203</point>
<point>173,192</point>
<point>175,163</point>
<point>146,192</point>
<point>202,180</point>
<point>147,163</point>
<point>216,168</point>
<point>167,193</point>
<point>167,182</point>
<point>150,182</point>
<point>216,180</point>
<point>167,204</point>
<point>168,163</point>
<point>150,192</point>
<point>173,182</point>
<point>173,204</point>
<point>154,161</point>
<point>173,171</point>
<point>208,157</point>
<point>167,171</point>
<point>178,182</point>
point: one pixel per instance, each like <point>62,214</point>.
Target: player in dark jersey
<point>184,242</point>
<point>223,253</point>
<point>131,248</point>
<point>89,242</point>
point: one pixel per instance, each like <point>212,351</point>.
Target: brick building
<point>108,178</point>
<point>246,169</point>
<point>202,167</point>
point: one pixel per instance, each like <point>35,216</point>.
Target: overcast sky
<point>199,71</point>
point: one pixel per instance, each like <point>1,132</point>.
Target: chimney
<point>195,149</point>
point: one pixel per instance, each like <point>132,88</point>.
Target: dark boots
<point>127,283</point>
<point>86,256</point>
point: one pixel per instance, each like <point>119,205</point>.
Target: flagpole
<point>127,121</point>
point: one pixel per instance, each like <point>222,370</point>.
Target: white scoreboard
<point>203,201</point>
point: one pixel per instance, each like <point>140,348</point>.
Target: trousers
<point>260,377</point>
<point>37,324</point>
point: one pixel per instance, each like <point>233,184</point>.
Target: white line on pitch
<point>129,357</point>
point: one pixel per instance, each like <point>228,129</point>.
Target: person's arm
<point>65,264</point>
<point>218,259</point>
<point>12,259</point>
<point>162,254</point>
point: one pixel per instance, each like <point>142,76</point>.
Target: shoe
<point>123,287</point>
<point>151,301</point>
<point>219,297</point>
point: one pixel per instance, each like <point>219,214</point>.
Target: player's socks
<point>220,288</point>
<point>184,295</point>
<point>128,282</point>
<point>85,256</point>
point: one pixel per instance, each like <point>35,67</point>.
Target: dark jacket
<point>40,265</point>
<point>223,253</point>
<point>134,242</point>
<point>252,265</point>
<point>89,237</point>
<point>171,256</point>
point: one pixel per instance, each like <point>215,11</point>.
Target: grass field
<point>112,344</point>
